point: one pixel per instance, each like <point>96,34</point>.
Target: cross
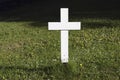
<point>64,26</point>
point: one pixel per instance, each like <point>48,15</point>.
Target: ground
<point>28,51</point>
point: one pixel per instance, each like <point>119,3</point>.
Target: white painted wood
<point>64,26</point>
<point>64,46</point>
<point>64,15</point>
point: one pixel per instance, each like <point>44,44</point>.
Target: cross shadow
<point>59,71</point>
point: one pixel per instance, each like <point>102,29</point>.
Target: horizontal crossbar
<point>64,25</point>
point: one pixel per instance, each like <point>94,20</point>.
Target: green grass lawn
<point>31,52</point>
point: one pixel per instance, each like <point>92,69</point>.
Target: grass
<point>31,52</point>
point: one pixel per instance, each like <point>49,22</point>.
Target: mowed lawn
<point>32,52</point>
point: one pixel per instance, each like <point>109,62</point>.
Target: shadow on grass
<point>95,25</point>
<point>58,71</point>
<point>85,24</point>
<point>41,19</point>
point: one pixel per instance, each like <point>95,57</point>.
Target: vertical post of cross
<point>64,36</point>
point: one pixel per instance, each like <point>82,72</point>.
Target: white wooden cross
<point>64,26</point>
